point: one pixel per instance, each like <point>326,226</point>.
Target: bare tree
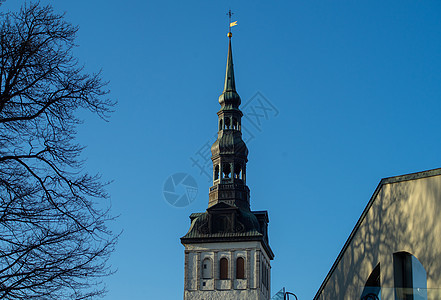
<point>54,242</point>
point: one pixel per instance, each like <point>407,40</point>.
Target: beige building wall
<point>404,214</point>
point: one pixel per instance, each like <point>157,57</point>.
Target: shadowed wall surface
<point>402,216</point>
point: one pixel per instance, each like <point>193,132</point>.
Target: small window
<point>207,268</point>
<point>265,275</point>
<point>216,172</point>
<point>237,171</point>
<point>223,268</point>
<point>227,123</point>
<point>220,124</point>
<point>240,268</point>
<point>226,170</point>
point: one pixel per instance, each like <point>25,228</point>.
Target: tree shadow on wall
<point>404,216</point>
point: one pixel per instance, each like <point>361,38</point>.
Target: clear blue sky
<point>357,85</point>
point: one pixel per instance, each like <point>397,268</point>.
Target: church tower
<point>227,253</point>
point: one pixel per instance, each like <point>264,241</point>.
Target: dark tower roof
<point>230,84</point>
<point>230,98</point>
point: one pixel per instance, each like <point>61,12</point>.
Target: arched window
<point>226,170</point>
<point>237,171</point>
<point>223,268</point>
<point>372,288</point>
<point>220,124</point>
<point>409,277</point>
<point>240,268</point>
<point>235,124</point>
<point>207,268</point>
<point>216,172</point>
<point>227,123</point>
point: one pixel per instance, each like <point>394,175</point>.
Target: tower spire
<point>230,84</point>
<point>229,98</point>
<point>229,152</point>
<point>228,222</point>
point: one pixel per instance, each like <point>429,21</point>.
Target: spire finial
<point>229,76</point>
<point>230,14</point>
<point>230,24</point>
<point>229,97</point>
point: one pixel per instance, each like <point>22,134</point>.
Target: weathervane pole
<point>230,24</point>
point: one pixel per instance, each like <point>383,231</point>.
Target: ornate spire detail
<point>230,98</point>
<point>229,152</point>
<point>228,218</point>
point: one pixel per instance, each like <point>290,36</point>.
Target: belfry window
<point>235,126</point>
<point>227,123</point>
<point>216,172</point>
<point>226,169</point>
<point>240,268</point>
<point>220,124</point>
<point>223,268</point>
<point>207,268</point>
<point>237,171</point>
